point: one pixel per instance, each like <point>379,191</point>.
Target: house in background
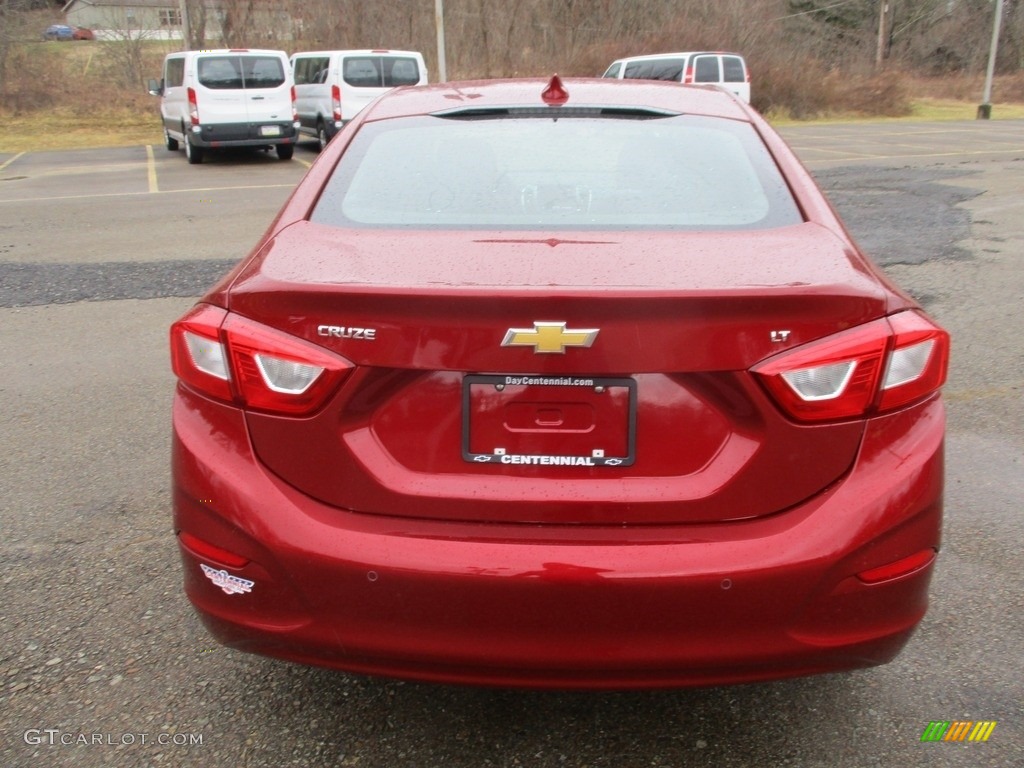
<point>249,23</point>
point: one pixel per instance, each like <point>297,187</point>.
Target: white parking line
<point>140,194</point>
<point>151,169</point>
<point>11,160</point>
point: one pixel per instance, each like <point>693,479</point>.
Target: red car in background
<point>66,32</point>
<point>572,384</point>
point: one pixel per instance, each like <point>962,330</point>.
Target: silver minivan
<point>331,87</point>
<point>227,98</point>
<point>726,70</point>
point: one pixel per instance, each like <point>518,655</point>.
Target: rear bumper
<point>244,134</point>
<point>562,607</point>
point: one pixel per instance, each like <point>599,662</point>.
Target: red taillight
<point>277,372</point>
<point>688,76</point>
<point>336,102</point>
<point>197,354</point>
<point>295,112</point>
<point>231,358</point>
<point>917,363</point>
<point>873,368</point>
<point>193,106</point>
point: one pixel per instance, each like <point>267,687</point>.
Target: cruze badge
<point>346,332</point>
<point>549,338</point>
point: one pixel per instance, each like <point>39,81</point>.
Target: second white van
<point>331,87</point>
<point>726,70</point>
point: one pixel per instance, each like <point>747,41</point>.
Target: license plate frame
<point>491,401</point>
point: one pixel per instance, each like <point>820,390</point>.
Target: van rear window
<point>655,69</point>
<point>706,70</point>
<point>380,71</point>
<point>735,72</point>
<point>233,72</point>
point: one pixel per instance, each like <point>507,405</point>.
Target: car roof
<point>478,95</point>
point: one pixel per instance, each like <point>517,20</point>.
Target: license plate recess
<point>536,420</point>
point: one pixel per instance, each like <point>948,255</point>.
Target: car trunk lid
<point>476,396</point>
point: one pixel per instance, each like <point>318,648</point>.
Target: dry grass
<point>1006,89</point>
<point>68,129</point>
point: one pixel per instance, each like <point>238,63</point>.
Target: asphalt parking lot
<point>102,662</point>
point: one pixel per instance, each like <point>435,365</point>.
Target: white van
<point>726,70</point>
<point>227,98</point>
<point>332,86</point>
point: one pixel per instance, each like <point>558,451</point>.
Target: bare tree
<point>14,27</point>
<point>195,24</point>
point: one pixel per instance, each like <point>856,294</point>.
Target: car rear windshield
<point>680,172</point>
<point>232,71</point>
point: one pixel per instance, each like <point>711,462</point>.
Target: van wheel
<point>285,151</point>
<point>321,134</point>
<point>171,144</point>
<point>194,154</point>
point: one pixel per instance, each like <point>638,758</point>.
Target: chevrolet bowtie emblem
<point>549,337</point>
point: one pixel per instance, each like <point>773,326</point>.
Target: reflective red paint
<point>418,500</point>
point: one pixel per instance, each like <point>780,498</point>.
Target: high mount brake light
<point>231,358</point>
<point>555,94</point>
<point>873,368</point>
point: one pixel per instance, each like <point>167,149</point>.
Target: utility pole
<point>442,68</point>
<point>883,9</point>
<point>985,108</point>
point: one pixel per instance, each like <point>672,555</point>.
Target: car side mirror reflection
<point>156,87</point>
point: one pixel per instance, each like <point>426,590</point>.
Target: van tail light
<point>295,111</point>
<point>236,360</point>
<point>193,106</point>
<point>336,102</point>
<point>688,75</point>
<point>873,368</point>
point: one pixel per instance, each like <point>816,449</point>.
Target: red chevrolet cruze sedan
<point>572,384</point>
